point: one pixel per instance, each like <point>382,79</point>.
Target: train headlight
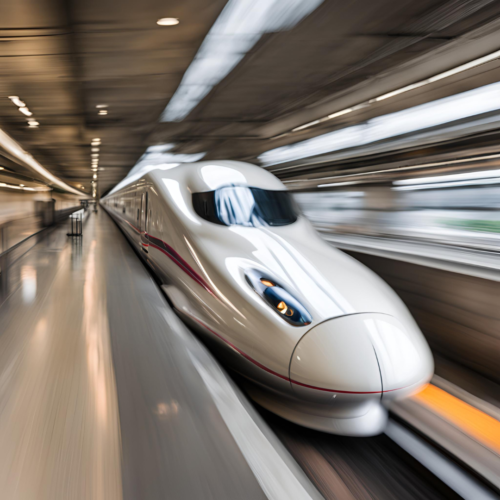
<point>279,299</point>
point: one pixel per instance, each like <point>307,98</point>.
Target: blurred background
<point>382,117</point>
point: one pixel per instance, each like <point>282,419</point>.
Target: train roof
<point>207,175</point>
<point>210,175</point>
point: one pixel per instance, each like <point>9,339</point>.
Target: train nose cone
<point>336,356</point>
<point>361,354</point>
<point>404,357</point>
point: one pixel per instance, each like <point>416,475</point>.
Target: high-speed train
<point>318,338</point>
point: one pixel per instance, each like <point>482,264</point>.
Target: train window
<point>204,206</point>
<point>246,206</point>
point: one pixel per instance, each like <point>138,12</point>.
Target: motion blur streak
<point>472,421</point>
<point>15,149</point>
<point>236,31</point>
<point>456,107</point>
<point>276,479</point>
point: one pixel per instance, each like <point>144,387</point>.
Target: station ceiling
<point>63,59</point>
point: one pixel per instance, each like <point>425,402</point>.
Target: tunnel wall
<point>458,314</point>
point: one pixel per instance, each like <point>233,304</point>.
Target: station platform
<point>105,394</point>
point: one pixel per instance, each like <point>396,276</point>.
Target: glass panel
<point>204,206</point>
<point>245,206</point>
<point>236,205</point>
<point>276,208</point>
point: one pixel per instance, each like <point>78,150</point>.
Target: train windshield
<point>246,206</point>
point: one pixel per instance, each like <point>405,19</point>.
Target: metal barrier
<point>76,220</point>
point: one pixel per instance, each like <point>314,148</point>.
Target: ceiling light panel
<point>15,99</point>
<point>168,21</point>
<point>25,111</point>
<point>237,29</point>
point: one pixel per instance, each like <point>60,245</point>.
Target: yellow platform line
<point>467,418</point>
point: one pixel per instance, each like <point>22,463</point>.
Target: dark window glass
<point>204,206</point>
<point>245,206</point>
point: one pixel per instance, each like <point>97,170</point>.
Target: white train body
<point>321,340</point>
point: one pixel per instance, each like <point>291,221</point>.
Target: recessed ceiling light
<point>103,112</point>
<point>17,101</point>
<point>95,155</point>
<point>101,106</point>
<point>22,185</point>
<point>95,176</point>
<point>25,111</point>
<point>95,150</point>
<point>168,21</point>
<point>96,139</point>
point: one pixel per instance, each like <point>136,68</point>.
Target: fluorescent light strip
<point>12,147</point>
<point>465,105</point>
<point>440,185</point>
<point>321,120</point>
<point>237,29</point>
<point>22,187</point>
<point>483,174</point>
<point>340,113</point>
<point>338,184</point>
<point>464,67</point>
<point>307,125</point>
